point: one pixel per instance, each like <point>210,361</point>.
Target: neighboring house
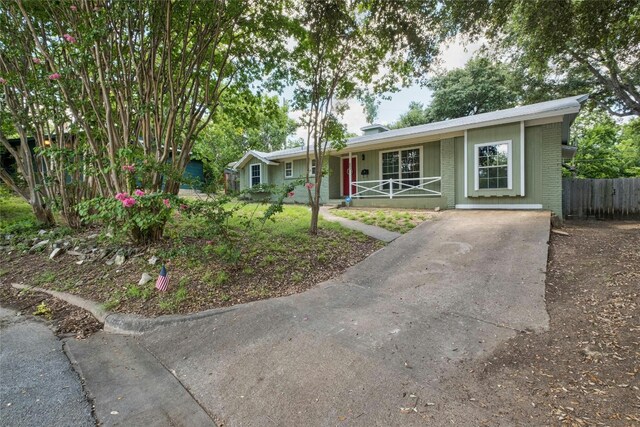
<point>507,159</point>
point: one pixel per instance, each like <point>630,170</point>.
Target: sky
<point>454,55</point>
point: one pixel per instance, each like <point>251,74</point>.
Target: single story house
<point>506,159</point>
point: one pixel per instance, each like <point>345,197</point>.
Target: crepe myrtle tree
<point>148,74</point>
<point>341,49</point>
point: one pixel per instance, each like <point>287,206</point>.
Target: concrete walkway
<point>370,230</point>
<point>38,386</point>
<point>371,346</point>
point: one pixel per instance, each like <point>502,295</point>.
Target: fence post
<point>391,188</point>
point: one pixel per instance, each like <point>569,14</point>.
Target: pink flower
<point>69,38</point>
<point>2,81</point>
<point>128,202</point>
<point>183,207</point>
<point>129,168</point>
<point>309,185</point>
<point>37,61</point>
<point>73,7</point>
<point>139,192</point>
<point>166,203</point>
<point>291,194</point>
<point>54,76</point>
<point>122,196</point>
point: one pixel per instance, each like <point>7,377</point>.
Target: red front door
<point>346,170</point>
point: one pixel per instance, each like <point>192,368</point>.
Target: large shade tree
<point>591,45</point>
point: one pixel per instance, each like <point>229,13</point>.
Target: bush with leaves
<point>142,216</point>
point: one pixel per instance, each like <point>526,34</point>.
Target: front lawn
<point>251,261</point>
<point>398,220</point>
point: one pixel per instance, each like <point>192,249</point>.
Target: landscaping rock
<point>92,236</point>
<point>146,278</point>
<point>75,253</point>
<point>119,259</point>
<point>437,209</point>
<point>55,253</point>
<point>153,260</point>
<point>561,233</point>
<point>80,262</point>
<point>39,245</point>
<point>42,232</point>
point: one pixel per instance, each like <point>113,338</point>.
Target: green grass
<point>16,216</point>
<point>394,220</point>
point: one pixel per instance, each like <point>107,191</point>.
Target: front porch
<point>405,176</point>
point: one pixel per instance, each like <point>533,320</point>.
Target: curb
<point>125,324</point>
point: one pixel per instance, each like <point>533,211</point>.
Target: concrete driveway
<point>370,346</point>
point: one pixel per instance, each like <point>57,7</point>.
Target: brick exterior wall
<point>448,172</point>
<point>552,168</point>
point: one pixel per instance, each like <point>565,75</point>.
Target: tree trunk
<point>315,212</point>
<point>43,214</point>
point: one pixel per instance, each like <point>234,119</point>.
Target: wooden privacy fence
<point>601,198</point>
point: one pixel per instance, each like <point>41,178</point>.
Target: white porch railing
<point>406,187</point>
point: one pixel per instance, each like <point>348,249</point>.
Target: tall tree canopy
<point>244,121</point>
<point>480,86</point>
<point>606,149</point>
<point>590,43</point>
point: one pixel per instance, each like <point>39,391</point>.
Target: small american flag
<point>163,280</point>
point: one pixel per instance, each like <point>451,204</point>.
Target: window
<point>256,177</point>
<point>493,165</point>
<point>312,171</point>
<point>288,169</point>
<point>401,164</point>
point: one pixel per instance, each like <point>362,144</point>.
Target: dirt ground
<point>66,320</point>
<point>582,371</point>
<point>197,280</point>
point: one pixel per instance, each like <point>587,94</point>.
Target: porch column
<point>349,171</point>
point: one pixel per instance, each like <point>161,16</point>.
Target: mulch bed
<point>582,371</point>
<point>253,279</point>
<point>66,320</point>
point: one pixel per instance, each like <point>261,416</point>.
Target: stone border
<point>127,324</point>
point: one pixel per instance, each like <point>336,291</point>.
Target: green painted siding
<point>509,132</point>
<point>335,182</point>
<point>542,171</point>
<point>274,175</point>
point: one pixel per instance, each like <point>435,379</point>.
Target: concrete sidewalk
<point>370,230</point>
<point>371,346</point>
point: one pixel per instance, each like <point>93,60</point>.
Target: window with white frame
<point>312,170</point>
<point>493,165</point>
<point>401,165</point>
<point>256,177</point>
<point>288,169</point>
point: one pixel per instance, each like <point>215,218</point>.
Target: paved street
<point>38,387</point>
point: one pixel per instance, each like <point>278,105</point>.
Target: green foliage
<point>479,87</point>
<point>43,310</point>
<point>143,221</point>
<point>244,121</point>
<point>606,149</point>
<point>589,45</point>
